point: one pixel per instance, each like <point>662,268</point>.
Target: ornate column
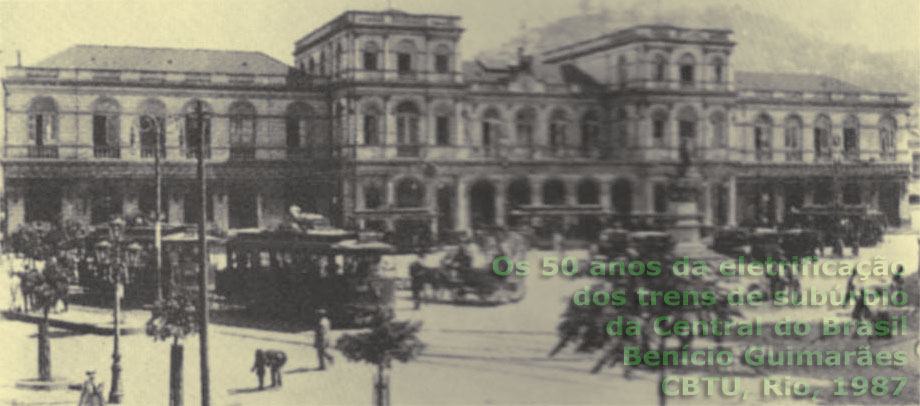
<point>463,206</point>
<point>501,187</point>
<point>732,202</point>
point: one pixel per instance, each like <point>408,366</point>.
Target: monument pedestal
<point>683,203</point>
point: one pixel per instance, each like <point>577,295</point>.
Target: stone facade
<point>379,125</point>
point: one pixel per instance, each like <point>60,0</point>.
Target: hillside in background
<point>764,44</point>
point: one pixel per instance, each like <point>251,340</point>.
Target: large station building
<point>380,124</point>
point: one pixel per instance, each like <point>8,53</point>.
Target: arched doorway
<point>482,204</point>
<point>518,195</point>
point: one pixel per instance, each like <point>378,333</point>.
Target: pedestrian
<point>275,360</point>
<point>259,368</point>
<point>416,271</point>
<point>321,339</point>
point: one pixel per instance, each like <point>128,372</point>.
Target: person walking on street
<point>415,274</point>
<point>321,339</point>
<point>259,368</point>
<point>275,360</point>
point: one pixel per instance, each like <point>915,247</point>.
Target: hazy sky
<point>40,28</point>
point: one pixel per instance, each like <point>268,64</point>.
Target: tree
<point>388,340</point>
<point>174,317</point>
<point>53,254</point>
<point>585,327</point>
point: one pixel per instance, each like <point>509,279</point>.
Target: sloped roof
<point>493,71</point>
<point>791,81</point>
<point>164,59</point>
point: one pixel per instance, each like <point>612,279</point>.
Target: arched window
<point>491,128</point>
<point>43,122</point>
<point>588,192</point>
<point>553,192</point>
<point>793,138</point>
<point>660,64</point>
<point>887,134</point>
<point>407,129</point>
<point>558,122</point>
<point>151,124</point>
<point>719,130</point>
<point>242,124</point>
<point>373,196</point>
<point>622,71</point>
<point>373,124</point>
<point>106,123</point>
<point>197,129</point>
<point>590,133</point>
<point>763,138</point>
<point>686,130</point>
<point>297,126</point>
<point>371,54</point>
<point>822,138</point>
<point>851,138</point>
<point>525,121</point>
<point>687,62</point>
<point>405,50</point>
<point>718,70</point>
<point>410,193</point>
<point>442,59</point>
<point>660,127</point>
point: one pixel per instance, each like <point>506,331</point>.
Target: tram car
<point>180,262</point>
<point>290,274</point>
<point>463,274</point>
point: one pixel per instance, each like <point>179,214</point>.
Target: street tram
<point>291,273</point>
<point>180,262</point>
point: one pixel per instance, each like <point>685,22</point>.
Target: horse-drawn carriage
<point>463,273</point>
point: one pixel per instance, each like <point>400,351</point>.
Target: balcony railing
<point>43,151</point>
<point>105,151</point>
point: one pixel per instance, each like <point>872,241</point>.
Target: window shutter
<point>111,131</point>
<point>50,123</point>
<point>32,119</point>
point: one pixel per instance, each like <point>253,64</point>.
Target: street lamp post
<point>117,254</point>
<point>158,181</point>
<point>202,146</point>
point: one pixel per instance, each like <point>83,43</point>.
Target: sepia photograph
<point>473,202</point>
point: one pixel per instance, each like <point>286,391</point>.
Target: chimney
<point>18,58</point>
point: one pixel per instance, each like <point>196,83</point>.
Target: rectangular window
<point>442,129</point>
<point>440,63</point>
<point>404,62</point>
<point>242,209</point>
<point>39,130</point>
<point>658,130</point>
<point>99,133</point>
<point>370,61</point>
<point>370,130</point>
<point>192,207</point>
<point>686,74</point>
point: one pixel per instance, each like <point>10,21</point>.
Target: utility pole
<point>203,265</point>
<point>157,225</point>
